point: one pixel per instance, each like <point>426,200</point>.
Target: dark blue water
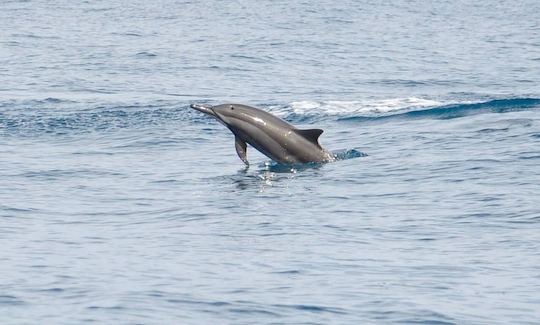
<point>121,205</point>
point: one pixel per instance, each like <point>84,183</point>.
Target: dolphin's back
<point>265,116</point>
<point>282,141</point>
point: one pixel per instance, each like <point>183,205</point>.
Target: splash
<point>342,154</point>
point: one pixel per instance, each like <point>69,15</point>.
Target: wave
<point>461,110</point>
<point>55,116</point>
<point>411,107</point>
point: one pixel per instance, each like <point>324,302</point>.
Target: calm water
<point>120,205</point>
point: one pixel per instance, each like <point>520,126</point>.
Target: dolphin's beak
<point>206,109</point>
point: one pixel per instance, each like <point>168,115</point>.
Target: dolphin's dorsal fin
<point>311,134</point>
<point>241,148</point>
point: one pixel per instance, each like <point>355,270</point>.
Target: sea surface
<point>121,205</point>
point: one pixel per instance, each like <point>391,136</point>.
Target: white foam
<point>364,107</point>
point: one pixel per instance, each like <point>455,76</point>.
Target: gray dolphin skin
<point>272,136</point>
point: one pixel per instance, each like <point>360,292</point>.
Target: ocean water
<point>121,205</point>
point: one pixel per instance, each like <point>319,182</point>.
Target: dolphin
<point>272,136</point>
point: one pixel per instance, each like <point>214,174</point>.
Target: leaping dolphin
<point>272,136</point>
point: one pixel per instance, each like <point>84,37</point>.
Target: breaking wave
<point>411,107</point>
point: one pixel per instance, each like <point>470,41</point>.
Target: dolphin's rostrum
<point>272,136</point>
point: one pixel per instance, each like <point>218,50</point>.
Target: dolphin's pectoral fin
<point>311,134</point>
<point>241,148</point>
